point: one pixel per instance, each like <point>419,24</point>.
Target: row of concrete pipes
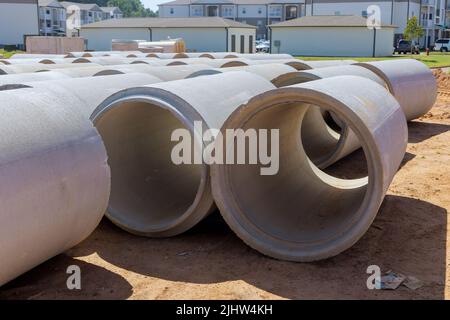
<point>72,149</point>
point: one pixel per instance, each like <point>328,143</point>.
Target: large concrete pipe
<point>158,62</point>
<point>410,81</point>
<point>167,55</point>
<point>217,63</point>
<point>105,61</point>
<point>95,54</point>
<point>39,56</point>
<point>55,182</point>
<point>265,56</point>
<point>27,77</point>
<point>215,55</point>
<point>88,72</point>
<point>151,195</point>
<point>25,61</point>
<point>163,73</point>
<point>274,72</point>
<point>13,69</point>
<point>295,63</point>
<point>300,213</point>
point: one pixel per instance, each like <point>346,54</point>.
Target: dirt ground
<point>409,236</point>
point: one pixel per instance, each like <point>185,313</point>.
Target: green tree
<point>130,8</point>
<point>413,30</point>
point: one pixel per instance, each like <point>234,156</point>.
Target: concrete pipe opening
<point>150,194</point>
<point>301,213</point>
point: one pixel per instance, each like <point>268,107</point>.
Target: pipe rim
<point>265,243</point>
<point>203,203</point>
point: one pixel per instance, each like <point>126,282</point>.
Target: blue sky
<point>153,4</point>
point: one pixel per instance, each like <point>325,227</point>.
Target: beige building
<point>331,36</point>
<point>200,34</point>
<point>18,18</point>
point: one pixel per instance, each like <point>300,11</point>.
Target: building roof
<point>261,2</point>
<point>197,22</point>
<point>49,3</point>
<point>326,21</point>
<point>109,9</point>
<point>82,6</point>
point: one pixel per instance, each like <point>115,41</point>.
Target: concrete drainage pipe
<point>150,194</point>
<point>167,56</point>
<point>164,73</point>
<point>274,72</point>
<point>267,56</point>
<point>410,81</point>
<point>27,77</point>
<point>214,55</point>
<point>301,213</point>
<point>67,188</point>
<point>14,69</point>
<point>217,63</point>
<point>54,178</point>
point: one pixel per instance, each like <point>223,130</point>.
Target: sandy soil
<point>410,235</point>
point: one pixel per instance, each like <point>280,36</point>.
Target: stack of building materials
<point>87,139</point>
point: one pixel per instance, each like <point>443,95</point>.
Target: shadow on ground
<point>48,281</point>
<point>211,253</point>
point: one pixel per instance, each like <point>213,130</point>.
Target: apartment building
<point>52,18</point>
<point>260,13</point>
<point>435,19</point>
<point>78,14</point>
<point>17,19</point>
<point>111,13</point>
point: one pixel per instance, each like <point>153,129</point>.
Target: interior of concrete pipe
<point>150,195</point>
<point>304,212</point>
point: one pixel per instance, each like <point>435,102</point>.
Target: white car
<point>262,46</point>
<point>442,45</point>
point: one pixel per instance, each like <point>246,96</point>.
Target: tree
<point>413,30</point>
<point>130,8</point>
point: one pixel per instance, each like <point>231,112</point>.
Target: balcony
<point>429,3</point>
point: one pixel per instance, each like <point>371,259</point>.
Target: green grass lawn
<point>435,59</point>
<point>7,54</point>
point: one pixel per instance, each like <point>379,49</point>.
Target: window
<point>291,12</point>
<point>244,10</point>
<point>275,11</point>
<point>227,11</point>
<point>47,11</point>
<point>48,23</point>
<point>250,44</point>
<point>337,13</point>
<point>364,13</point>
<point>90,14</point>
<point>233,43</point>
<point>171,10</point>
<point>242,44</point>
<point>197,11</point>
<point>259,10</point>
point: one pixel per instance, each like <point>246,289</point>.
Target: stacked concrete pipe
<point>27,68</point>
<point>164,73</point>
<point>214,55</point>
<point>158,62</point>
<point>13,79</point>
<point>301,213</point>
<point>217,63</point>
<point>39,56</point>
<point>265,56</point>
<point>150,194</point>
<point>53,166</point>
<point>167,55</point>
<point>104,61</point>
<point>410,81</point>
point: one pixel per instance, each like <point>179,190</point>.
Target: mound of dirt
<point>443,83</point>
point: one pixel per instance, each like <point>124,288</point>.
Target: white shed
<point>331,36</point>
<point>200,34</point>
